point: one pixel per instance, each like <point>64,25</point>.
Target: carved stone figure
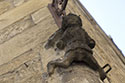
<point>77,44</point>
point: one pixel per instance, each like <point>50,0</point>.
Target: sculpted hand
<point>60,45</point>
<point>49,44</point>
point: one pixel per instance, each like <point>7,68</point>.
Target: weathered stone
<point>75,74</point>
<point>40,15</point>
<point>16,28</point>
<point>16,62</point>
<point>25,73</point>
<point>18,2</point>
<point>23,42</point>
<point>4,6</point>
<point>20,12</point>
<point>104,52</point>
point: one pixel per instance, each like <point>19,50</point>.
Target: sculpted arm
<point>54,38</point>
<point>63,40</point>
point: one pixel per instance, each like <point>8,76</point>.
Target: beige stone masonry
<point>25,41</point>
<point>20,12</point>
<point>15,29</point>
<point>5,6</point>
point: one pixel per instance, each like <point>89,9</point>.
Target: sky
<point>110,15</point>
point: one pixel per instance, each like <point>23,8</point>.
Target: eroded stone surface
<point>5,6</point>
<point>40,15</point>
<point>18,2</point>
<point>25,73</point>
<point>16,28</point>
<point>104,52</point>
<point>77,73</point>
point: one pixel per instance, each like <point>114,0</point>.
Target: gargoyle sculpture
<point>76,43</point>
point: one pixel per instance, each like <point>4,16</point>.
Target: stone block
<point>29,72</point>
<point>18,2</point>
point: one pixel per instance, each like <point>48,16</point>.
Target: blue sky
<point>110,15</point>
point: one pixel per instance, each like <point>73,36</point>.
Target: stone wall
<point>25,26</point>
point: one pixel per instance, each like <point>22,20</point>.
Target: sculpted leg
<point>65,62</point>
<point>91,61</point>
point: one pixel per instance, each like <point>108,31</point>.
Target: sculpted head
<point>71,20</point>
